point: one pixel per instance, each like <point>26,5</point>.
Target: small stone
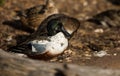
<point>100,53</point>
<point>85,3</point>
<point>87,55</point>
<point>60,61</point>
<point>99,31</point>
<point>53,60</point>
<point>68,51</point>
<point>21,55</point>
<point>68,59</point>
<point>115,54</point>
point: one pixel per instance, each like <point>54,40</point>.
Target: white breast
<point>57,44</point>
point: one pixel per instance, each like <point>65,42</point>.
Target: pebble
<point>85,3</point>
<point>60,61</point>
<point>99,31</point>
<point>21,55</point>
<point>69,52</point>
<point>53,60</point>
<point>115,54</point>
<point>100,53</point>
<point>68,59</point>
<point>88,55</point>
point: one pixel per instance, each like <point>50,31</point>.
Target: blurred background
<point>99,30</point>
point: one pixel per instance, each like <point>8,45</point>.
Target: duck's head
<point>65,25</point>
<point>55,26</point>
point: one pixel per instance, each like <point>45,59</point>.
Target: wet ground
<point>96,43</point>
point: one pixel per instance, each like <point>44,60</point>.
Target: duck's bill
<point>67,35</point>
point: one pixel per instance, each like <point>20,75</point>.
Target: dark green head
<point>54,26</point>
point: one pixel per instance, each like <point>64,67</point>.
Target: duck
<point>69,25</point>
<point>43,48</point>
<point>33,16</point>
<point>58,29</point>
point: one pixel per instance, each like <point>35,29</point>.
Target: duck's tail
<point>20,49</point>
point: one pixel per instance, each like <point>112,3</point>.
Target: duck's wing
<point>30,46</point>
<point>24,48</point>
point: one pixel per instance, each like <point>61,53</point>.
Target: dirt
<point>99,30</point>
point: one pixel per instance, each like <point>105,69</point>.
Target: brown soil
<point>90,37</point>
